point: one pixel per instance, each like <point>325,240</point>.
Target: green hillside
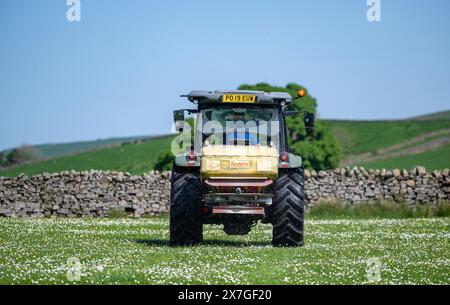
<point>433,159</point>
<point>365,136</point>
<point>133,158</point>
<point>442,115</point>
<point>377,144</point>
<point>63,149</point>
<point>394,144</point>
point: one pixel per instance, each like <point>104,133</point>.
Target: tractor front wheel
<point>288,208</point>
<point>186,226</point>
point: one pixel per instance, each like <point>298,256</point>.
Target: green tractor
<point>238,169</point>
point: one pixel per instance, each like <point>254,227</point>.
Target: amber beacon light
<point>301,92</point>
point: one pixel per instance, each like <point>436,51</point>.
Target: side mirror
<point>309,123</point>
<point>178,115</point>
<point>178,118</point>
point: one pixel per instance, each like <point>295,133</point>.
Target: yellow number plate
<point>239,98</point>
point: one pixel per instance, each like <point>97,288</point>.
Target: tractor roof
<point>203,96</point>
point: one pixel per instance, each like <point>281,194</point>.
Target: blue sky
<point>120,71</point>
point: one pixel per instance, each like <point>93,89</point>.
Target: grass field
<point>135,251</point>
<point>433,159</point>
<point>365,136</point>
<point>132,158</point>
<point>441,115</point>
<point>63,149</point>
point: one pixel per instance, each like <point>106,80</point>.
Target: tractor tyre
<point>288,208</point>
<point>186,226</point>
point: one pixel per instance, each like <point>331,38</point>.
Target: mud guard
<point>293,162</point>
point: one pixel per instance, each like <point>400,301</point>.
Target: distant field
<point>442,115</point>
<point>433,159</point>
<point>64,149</point>
<point>132,158</point>
<point>366,136</point>
<point>136,251</point>
<point>395,144</point>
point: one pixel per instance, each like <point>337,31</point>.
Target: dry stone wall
<point>101,193</point>
<point>87,193</point>
<point>358,185</point>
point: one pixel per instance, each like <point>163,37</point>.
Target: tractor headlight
<point>212,165</point>
<point>264,165</point>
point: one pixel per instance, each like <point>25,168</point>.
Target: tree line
<point>19,155</point>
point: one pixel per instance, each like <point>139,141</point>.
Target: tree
<point>165,161</point>
<point>22,154</point>
<point>322,151</point>
<point>3,160</point>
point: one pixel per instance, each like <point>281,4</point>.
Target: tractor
<point>238,169</point>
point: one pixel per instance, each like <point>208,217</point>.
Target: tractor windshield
<point>240,125</point>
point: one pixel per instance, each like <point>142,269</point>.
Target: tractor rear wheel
<point>288,208</point>
<point>186,226</point>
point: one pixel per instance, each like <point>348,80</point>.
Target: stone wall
<point>99,193</point>
<point>87,193</point>
<point>358,185</point>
